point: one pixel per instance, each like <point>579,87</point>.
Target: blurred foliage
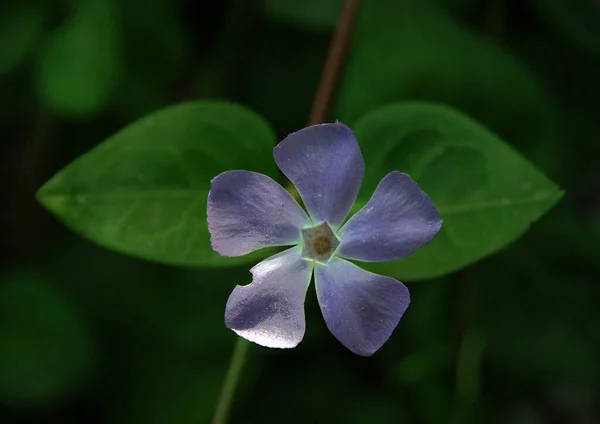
<point>88,335</point>
<point>576,21</point>
<point>154,35</point>
<point>166,389</point>
<point>81,63</point>
<point>46,348</point>
<point>555,317</point>
<point>20,30</point>
<point>292,73</point>
<point>310,14</point>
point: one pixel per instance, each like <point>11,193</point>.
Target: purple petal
<point>270,310</point>
<point>325,164</point>
<point>361,309</point>
<point>248,211</point>
<point>398,219</point>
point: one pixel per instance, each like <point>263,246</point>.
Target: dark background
<point>88,335</point>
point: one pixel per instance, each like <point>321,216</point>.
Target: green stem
<point>468,369</point>
<point>231,381</point>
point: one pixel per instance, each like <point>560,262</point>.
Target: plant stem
<point>231,380</point>
<point>334,62</point>
<point>468,369</point>
<point>320,108</point>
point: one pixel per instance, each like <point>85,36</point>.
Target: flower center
<point>319,243</point>
<point>322,245</point>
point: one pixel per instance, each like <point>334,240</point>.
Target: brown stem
<point>333,65</point>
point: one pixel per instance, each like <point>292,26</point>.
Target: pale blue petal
<point>398,219</point>
<point>325,164</point>
<point>248,211</point>
<point>270,310</point>
<point>361,309</point>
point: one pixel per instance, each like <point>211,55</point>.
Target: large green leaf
<point>79,69</point>
<point>487,194</point>
<point>143,191</point>
<point>20,29</point>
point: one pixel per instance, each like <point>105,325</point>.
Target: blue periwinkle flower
<point>248,211</point>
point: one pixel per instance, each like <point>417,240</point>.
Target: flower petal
<point>361,309</point>
<point>398,219</point>
<point>325,164</point>
<point>248,211</point>
<point>270,310</point>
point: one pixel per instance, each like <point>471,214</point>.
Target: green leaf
<point>80,67</point>
<point>430,57</point>
<point>20,29</point>
<point>143,191</point>
<point>486,193</point>
<point>46,350</point>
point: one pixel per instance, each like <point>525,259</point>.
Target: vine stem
<point>336,56</point>
<point>333,64</point>
<point>231,380</point>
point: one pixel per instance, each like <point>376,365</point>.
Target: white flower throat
<point>319,243</point>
